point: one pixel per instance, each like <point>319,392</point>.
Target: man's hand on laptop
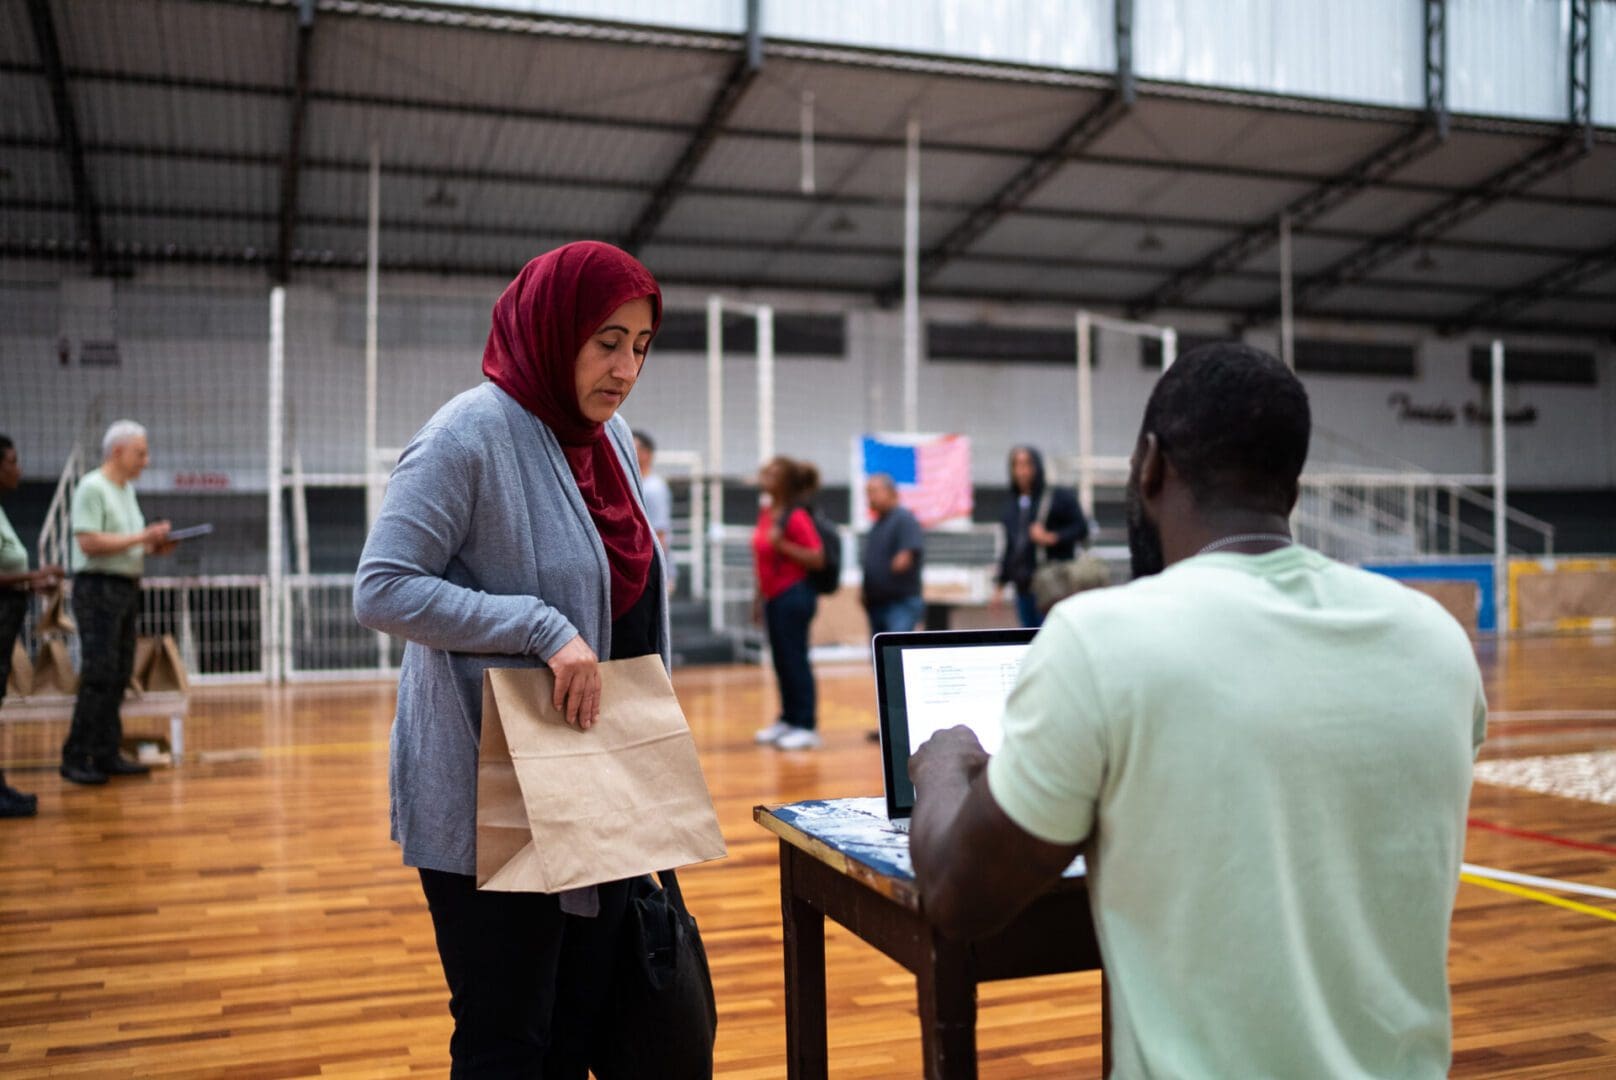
<point>950,752</point>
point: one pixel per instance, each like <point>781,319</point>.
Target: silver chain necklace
<point>1246,538</point>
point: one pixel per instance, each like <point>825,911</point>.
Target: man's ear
<point>1152,466</point>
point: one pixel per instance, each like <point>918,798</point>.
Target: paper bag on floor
<point>164,671</point>
<point>20,681</point>
<point>54,614</point>
<point>53,669</point>
<point>559,808</point>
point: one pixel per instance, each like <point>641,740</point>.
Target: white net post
<point>270,612</point>
<point>1500,521</point>
<point>715,458</point>
<point>1085,414</point>
<point>765,382</point>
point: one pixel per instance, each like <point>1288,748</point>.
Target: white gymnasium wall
<point>193,350</point>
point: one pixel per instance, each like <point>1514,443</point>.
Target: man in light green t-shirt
<point>1265,756</point>
<point>111,542</point>
<point>15,582</point>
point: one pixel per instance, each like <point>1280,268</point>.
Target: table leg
<point>946,989</point>
<point>807,1049</point>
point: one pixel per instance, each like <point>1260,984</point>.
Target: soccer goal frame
<point>1087,463</point>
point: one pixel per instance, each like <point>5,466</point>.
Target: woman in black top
<point>1041,523</point>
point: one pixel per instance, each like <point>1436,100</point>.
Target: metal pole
<point>715,459</point>
<point>373,496</point>
<point>1085,416</point>
<point>807,184</point>
<point>765,382</point>
<point>1500,523</point>
<point>1287,329</point>
<point>372,303</point>
<point>911,280</point>
<point>269,615</point>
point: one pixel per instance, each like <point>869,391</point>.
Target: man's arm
<point>153,537</point>
<point>976,869</point>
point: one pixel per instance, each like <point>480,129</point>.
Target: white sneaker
<point>772,733</point>
<point>798,739</point>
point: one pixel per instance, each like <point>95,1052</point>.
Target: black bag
<point>662,1018</point>
<point>828,578</point>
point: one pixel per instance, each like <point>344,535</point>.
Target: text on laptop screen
<point>967,684</point>
<point>927,681</point>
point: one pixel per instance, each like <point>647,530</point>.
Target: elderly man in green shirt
<point>111,541</point>
<point>15,582</point>
<point>1265,756</point>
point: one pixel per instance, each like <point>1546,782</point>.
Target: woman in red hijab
<point>513,534</point>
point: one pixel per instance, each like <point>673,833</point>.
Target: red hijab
<point>541,321</point>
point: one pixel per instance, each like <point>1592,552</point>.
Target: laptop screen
<point>926,682</point>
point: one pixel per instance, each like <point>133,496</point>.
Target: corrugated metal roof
<point>368,56</point>
<point>1572,227</point>
<point>35,175</point>
<point>184,185</point>
<point>177,37</point>
<point>417,137</point>
<point>859,102</point>
<point>538,138</point>
<point>16,36</point>
<point>1083,185</point>
<point>1378,210</point>
<point>158,233</point>
<point>27,110</point>
<point>1172,130</point>
<point>166,118</point>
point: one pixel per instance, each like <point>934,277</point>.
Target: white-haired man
<point>112,541</point>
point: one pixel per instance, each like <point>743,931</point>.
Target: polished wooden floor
<point>245,915</point>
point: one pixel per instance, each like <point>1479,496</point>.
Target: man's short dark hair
<point>1234,421</point>
<point>5,444</point>
<point>645,440</point>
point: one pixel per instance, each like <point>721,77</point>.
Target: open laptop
<point>930,680</point>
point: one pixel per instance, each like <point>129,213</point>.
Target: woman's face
<point>1022,470</point>
<point>609,363</point>
<point>769,480</point>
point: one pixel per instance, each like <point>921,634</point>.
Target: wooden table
<point>840,858</point>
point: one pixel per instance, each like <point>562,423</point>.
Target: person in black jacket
<point>1041,523</point>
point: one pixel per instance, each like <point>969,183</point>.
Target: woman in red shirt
<point>785,546</point>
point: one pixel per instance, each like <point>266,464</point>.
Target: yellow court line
<point>1540,897</point>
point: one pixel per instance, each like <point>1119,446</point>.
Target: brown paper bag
<point>53,669</point>
<point>144,647</point>
<point>20,682</point>
<point>55,614</point>
<point>164,670</point>
<point>559,808</point>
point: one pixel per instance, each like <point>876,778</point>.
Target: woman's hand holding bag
<point>577,683</point>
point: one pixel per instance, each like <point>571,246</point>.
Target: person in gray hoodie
<point>514,534</point>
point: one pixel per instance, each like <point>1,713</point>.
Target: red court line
<point>1527,834</point>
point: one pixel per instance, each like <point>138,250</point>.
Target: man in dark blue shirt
<point>892,555</point>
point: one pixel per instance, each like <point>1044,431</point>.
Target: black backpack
<point>828,578</point>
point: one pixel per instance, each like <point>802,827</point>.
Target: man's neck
<point>114,474</point>
<point>1259,532</point>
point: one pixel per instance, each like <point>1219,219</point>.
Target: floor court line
<point>1512,715</point>
<point>1541,897</point>
<point>1557,884</point>
<point>1546,838</point>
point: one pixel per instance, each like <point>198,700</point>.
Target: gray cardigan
<point>484,555</point>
